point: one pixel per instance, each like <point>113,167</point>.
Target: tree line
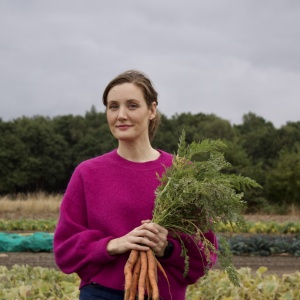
<point>40,153</point>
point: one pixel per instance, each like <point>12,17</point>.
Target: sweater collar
<point>122,162</point>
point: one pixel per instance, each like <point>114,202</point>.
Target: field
<point>41,207</point>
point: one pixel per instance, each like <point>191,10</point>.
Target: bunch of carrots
<point>188,196</point>
<point>141,275</point>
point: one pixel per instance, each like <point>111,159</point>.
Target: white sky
<point>226,57</point>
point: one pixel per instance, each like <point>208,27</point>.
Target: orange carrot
<point>135,278</point>
<point>148,286</point>
<point>143,273</point>
<point>152,274</point>
<point>160,267</point>
<point>133,256</point>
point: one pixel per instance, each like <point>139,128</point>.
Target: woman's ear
<point>152,110</point>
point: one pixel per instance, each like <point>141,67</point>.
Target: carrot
<point>133,256</point>
<point>160,267</point>
<point>135,278</point>
<point>148,287</point>
<point>143,273</point>
<point>152,274</point>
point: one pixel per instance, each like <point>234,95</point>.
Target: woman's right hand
<point>140,238</point>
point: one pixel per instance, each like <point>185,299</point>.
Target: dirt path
<point>279,265</point>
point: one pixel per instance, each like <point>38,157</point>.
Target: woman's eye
<point>113,107</point>
<point>133,106</point>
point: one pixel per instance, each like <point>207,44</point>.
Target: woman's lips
<point>123,126</point>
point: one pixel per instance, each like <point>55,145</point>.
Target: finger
<point>148,233</point>
<point>146,221</point>
<point>143,240</point>
<point>151,227</point>
<point>156,228</point>
<point>161,229</point>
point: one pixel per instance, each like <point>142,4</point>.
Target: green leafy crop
<point>196,194</point>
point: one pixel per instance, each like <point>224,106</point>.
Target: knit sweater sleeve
<point>199,262</point>
<point>76,247</point>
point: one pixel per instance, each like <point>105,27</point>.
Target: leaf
<point>261,270</point>
<point>24,290</point>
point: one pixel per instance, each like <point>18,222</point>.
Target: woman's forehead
<point>125,91</point>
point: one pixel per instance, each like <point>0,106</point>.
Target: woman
<point>107,207</point>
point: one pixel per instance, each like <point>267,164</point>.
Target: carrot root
<point>135,279</point>
<point>160,267</point>
<point>132,259</point>
<point>141,278</point>
<point>143,274</point>
<point>148,287</point>
<point>152,274</point>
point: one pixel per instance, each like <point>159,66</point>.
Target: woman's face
<point>127,113</point>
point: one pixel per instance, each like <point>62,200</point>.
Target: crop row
<point>24,282</point>
<point>265,245</point>
<point>262,227</point>
<point>28,225</point>
<point>250,227</point>
<point>258,286</point>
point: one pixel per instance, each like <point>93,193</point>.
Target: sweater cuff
<point>175,250</point>
<point>168,251</point>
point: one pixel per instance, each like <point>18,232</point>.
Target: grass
<point>39,204</point>
<point>277,209</point>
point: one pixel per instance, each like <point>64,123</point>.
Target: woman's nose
<point>122,114</point>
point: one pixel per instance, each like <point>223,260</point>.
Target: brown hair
<point>141,80</point>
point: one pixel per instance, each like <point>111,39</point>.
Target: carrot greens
<point>196,195</point>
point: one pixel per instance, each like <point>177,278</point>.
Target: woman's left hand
<point>162,234</point>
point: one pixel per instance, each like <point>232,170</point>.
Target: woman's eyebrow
<point>133,99</point>
<point>128,100</point>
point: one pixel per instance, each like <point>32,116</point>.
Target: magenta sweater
<point>106,198</point>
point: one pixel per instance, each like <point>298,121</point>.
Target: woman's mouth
<point>123,126</point>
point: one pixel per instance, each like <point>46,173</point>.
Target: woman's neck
<point>137,153</point>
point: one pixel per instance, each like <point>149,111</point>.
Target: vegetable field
<point>28,275</point>
<point>24,282</point>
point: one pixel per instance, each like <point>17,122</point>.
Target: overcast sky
<point>225,57</point>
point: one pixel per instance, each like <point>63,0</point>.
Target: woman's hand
<point>162,242</point>
<point>148,235</point>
